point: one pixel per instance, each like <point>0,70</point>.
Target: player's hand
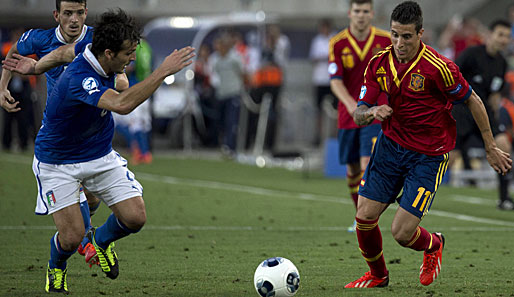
<point>178,60</point>
<point>381,112</point>
<point>7,101</point>
<point>499,160</point>
<point>20,64</point>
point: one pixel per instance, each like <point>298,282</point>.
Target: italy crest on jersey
<point>417,82</point>
<point>90,85</point>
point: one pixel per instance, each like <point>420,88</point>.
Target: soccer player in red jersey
<point>349,53</point>
<point>411,153</point>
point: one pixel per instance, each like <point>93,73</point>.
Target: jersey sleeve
<point>81,46</point>
<point>450,80</point>
<point>335,63</point>
<point>28,42</point>
<point>370,91</point>
<point>86,88</point>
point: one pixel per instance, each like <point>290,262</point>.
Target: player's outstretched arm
<point>125,102</point>
<point>6,100</point>
<point>27,66</point>
<point>498,159</point>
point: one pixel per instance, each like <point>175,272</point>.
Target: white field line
<point>268,228</point>
<point>274,193</point>
<point>301,196</point>
<point>472,200</point>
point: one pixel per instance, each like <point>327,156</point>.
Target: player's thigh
<point>422,182</point>
<point>131,212</point>
<point>57,187</point>
<point>383,178</point>
<point>109,179</point>
<point>70,225</point>
<point>348,146</point>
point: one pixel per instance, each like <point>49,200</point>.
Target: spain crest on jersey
<point>417,82</point>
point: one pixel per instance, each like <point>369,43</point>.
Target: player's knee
<point>71,240</point>
<point>136,221</point>
<point>400,235</point>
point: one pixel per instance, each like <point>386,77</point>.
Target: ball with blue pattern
<point>276,277</point>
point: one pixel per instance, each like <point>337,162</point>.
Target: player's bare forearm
<point>499,160</point>
<point>61,55</point>
<point>125,102</point>
<point>477,108</point>
<point>6,74</point>
<point>363,116</point>
<point>341,92</point>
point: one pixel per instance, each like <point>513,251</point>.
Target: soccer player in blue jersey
<point>71,16</point>
<point>78,116</point>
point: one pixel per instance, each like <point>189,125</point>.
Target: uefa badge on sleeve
<point>50,197</point>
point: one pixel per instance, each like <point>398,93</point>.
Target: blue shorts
<point>393,168</point>
<point>356,143</point>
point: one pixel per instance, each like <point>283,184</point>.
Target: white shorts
<point>108,178</point>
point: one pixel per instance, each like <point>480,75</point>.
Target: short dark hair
<point>58,3</point>
<point>499,22</point>
<point>408,12</point>
<point>361,2</point>
<point>112,29</point>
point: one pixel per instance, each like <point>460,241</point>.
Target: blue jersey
<point>74,129</point>
<point>42,42</point>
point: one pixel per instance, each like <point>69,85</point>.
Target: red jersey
<point>348,59</point>
<point>421,93</point>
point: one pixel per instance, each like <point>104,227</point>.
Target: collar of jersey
<point>91,59</point>
<point>61,38</point>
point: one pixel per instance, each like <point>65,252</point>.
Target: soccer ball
<point>276,277</point>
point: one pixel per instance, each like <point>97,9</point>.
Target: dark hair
<point>58,3</point>
<point>499,22</point>
<point>112,29</point>
<point>361,2</point>
<point>408,12</point>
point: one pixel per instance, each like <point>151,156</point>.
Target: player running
<point>411,153</point>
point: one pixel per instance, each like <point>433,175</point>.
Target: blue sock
<point>84,209</point>
<point>112,230</point>
<point>58,256</point>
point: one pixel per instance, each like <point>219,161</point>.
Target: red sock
<point>422,240</point>
<point>353,185</point>
<point>370,244</point>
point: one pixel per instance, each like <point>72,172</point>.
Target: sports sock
<point>503,187</point>
<point>84,209</point>
<point>353,185</point>
<point>370,245</point>
<point>113,229</point>
<point>422,240</point>
<point>58,256</point>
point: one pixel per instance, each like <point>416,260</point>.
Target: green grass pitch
<point>210,223</point>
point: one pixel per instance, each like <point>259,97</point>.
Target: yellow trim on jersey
<point>439,178</point>
<point>395,73</point>
<point>341,35</point>
<point>362,53</point>
<point>443,68</point>
<point>383,33</point>
<point>380,53</point>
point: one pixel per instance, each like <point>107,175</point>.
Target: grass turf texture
<point>210,223</point>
